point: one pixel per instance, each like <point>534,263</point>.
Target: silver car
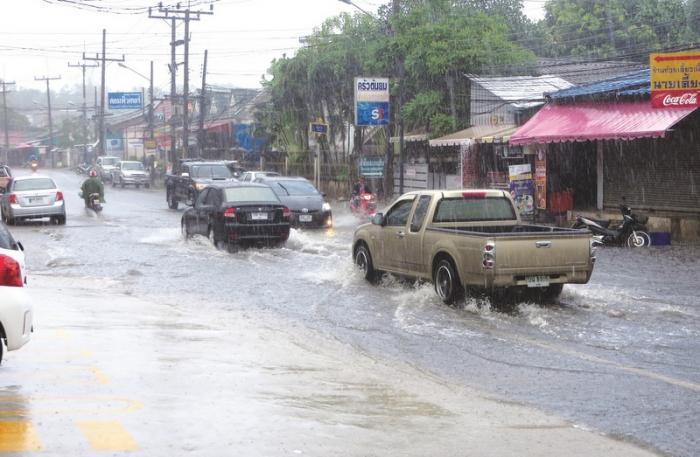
<point>106,165</point>
<point>32,197</point>
<point>130,172</point>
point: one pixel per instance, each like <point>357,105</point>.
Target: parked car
<point>15,306</point>
<point>475,239</point>
<point>105,165</point>
<point>190,176</point>
<point>233,214</point>
<point>33,197</point>
<point>251,176</point>
<point>5,177</point>
<point>130,172</point>
<point>307,205</point>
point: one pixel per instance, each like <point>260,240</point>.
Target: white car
<point>15,308</point>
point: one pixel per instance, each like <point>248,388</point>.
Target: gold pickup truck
<point>471,239</point>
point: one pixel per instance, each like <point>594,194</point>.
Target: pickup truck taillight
<point>286,213</point>
<point>10,273</point>
<point>489,255</point>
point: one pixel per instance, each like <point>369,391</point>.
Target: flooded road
<point>620,355</point>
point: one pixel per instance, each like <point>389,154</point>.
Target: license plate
<point>305,218</point>
<point>258,216</point>
<point>537,281</point>
<point>35,199</point>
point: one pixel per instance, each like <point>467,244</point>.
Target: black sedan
<point>237,214</point>
<point>307,205</point>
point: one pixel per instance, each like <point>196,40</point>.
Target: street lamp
<point>351,3</point>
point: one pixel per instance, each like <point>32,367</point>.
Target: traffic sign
<point>125,100</point>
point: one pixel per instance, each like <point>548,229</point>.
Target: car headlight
<point>199,186</point>
<point>326,206</point>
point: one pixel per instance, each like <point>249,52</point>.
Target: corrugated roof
<point>475,133</point>
<point>586,71</point>
<point>521,91</point>
<point>634,83</point>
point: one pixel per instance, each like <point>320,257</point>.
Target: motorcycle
<point>364,204</point>
<point>34,165</point>
<point>83,168</point>
<point>93,202</point>
<point>631,233</point>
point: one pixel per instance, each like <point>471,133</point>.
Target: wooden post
<point>599,174</point>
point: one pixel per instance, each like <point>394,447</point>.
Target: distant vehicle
<point>307,205</point>
<point>130,172</point>
<point>5,177</point>
<point>471,239</point>
<point>15,307</point>
<point>236,170</point>
<point>251,176</point>
<point>105,165</point>
<point>190,176</point>
<point>236,214</point>
<point>32,197</point>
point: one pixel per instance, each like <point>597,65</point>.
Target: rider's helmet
<point>93,173</point>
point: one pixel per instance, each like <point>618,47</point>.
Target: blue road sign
<point>124,100</point>
<point>372,113</point>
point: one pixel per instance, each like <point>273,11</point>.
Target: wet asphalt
<point>620,355</point>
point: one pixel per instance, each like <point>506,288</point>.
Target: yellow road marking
<point>107,436</point>
<point>18,436</point>
<point>100,377</point>
<point>85,405</point>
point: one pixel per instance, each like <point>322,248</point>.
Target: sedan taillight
<point>12,198</point>
<point>10,272</point>
<point>59,196</point>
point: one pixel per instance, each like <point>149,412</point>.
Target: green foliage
<point>437,41</point>
<point>610,28</point>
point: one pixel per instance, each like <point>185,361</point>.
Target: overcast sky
<point>39,37</point>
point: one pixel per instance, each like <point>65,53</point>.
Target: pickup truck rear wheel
<point>363,259</point>
<point>447,283</point>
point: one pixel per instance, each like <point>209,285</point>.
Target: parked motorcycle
<point>631,233</point>
<point>364,204</point>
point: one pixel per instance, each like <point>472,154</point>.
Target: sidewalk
<point>179,376</point>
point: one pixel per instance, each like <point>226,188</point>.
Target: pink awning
<point>598,121</point>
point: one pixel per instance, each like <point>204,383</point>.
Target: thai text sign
<point>372,166</point>
<point>522,189</point>
<point>371,101</point>
<point>675,79</point>
<point>124,100</point>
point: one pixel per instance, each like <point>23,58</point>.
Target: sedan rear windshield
<point>250,194</point>
<point>474,209</point>
<point>293,188</point>
<point>211,171</point>
<point>34,184</point>
<point>132,166</point>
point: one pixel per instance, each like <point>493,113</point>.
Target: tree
<point>612,28</point>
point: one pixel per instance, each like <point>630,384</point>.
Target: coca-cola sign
<point>675,99</point>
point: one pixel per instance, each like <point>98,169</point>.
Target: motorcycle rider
<point>92,185</point>
<point>361,187</point>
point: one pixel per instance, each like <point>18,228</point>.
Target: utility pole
<point>398,74</point>
<point>103,59</point>
<point>187,15</point>
<point>85,135</point>
<point>150,107</point>
<point>6,154</point>
<point>203,106</point>
<point>48,99</point>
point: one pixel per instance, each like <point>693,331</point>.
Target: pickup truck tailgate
<point>541,253</point>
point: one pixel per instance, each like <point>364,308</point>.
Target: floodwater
<point>620,355</point>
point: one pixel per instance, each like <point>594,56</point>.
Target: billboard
<point>124,100</point>
<point>371,101</point>
<point>675,79</point>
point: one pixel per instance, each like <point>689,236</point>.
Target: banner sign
<point>541,178</point>
<point>124,100</point>
<point>522,189</point>
<point>372,166</point>
<point>371,101</point>
<point>675,79</point>
<point>318,128</point>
